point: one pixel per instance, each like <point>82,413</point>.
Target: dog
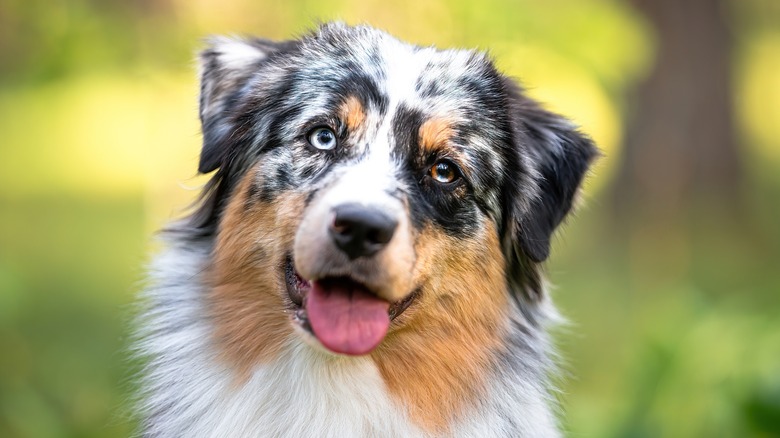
<point>367,256</point>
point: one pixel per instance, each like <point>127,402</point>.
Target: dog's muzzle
<point>352,269</point>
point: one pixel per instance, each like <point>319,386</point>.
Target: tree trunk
<point>680,146</point>
<point>681,167</point>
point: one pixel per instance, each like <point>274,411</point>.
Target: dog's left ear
<point>559,156</point>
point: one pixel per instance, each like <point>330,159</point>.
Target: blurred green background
<point>670,274</point>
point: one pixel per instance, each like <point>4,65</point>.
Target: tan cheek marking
<point>248,290</point>
<point>438,359</point>
<point>434,134</point>
<point>353,114</point>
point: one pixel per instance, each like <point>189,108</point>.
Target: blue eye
<point>322,138</point>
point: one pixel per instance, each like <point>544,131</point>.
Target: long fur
<point>524,167</point>
<point>308,393</point>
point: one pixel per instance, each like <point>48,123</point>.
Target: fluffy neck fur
<point>188,390</point>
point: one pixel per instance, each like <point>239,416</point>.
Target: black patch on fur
<point>271,186</point>
<point>452,207</point>
<point>365,88</point>
<point>257,192</point>
<point>561,155</point>
<point>406,125</point>
<point>284,177</point>
<point>561,174</point>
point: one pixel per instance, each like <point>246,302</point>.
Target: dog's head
<point>364,186</point>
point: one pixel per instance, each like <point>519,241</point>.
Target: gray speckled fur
<point>258,98</point>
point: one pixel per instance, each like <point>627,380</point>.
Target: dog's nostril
<point>361,231</point>
<point>380,235</point>
<point>342,226</point>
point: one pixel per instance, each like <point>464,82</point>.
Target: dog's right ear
<point>559,155</point>
<point>226,67</point>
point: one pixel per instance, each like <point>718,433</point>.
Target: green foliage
<point>673,335</point>
<point>68,267</point>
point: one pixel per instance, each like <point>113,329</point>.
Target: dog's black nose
<point>361,231</point>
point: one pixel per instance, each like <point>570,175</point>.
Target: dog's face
<point>368,191</point>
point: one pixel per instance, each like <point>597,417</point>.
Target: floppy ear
<point>226,67</point>
<point>559,156</point>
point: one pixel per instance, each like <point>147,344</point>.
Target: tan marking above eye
<point>353,114</point>
<point>435,133</point>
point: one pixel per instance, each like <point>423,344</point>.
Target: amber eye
<point>444,172</point>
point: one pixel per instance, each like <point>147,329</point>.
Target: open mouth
<point>343,314</point>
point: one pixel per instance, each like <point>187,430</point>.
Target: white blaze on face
<point>403,66</point>
<point>371,180</point>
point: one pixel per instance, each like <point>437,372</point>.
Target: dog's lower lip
<point>398,307</point>
<point>297,287</point>
<point>303,319</point>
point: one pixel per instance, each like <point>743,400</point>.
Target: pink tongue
<point>346,318</point>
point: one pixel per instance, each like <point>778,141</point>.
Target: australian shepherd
<point>366,259</point>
